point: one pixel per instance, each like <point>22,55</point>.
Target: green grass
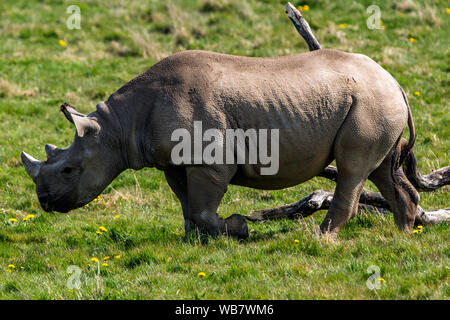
<point>121,39</point>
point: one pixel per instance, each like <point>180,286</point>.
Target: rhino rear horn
<point>51,150</point>
<point>32,166</point>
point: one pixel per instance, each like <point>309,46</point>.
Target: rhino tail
<point>406,148</point>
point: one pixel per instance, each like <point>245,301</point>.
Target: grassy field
<point>148,257</point>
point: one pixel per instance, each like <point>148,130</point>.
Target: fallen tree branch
<point>432,181</point>
<point>302,27</point>
<point>321,200</point>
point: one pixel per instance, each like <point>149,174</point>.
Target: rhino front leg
<point>177,180</point>
<point>206,188</point>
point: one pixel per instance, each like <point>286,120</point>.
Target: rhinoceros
<point>326,105</point>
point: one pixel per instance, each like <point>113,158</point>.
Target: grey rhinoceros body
<point>327,105</point>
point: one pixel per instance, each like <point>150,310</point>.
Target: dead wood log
<point>321,200</point>
<point>368,201</point>
<point>302,27</point>
<point>432,181</point>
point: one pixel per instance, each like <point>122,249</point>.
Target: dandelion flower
<point>30,216</point>
<point>102,228</point>
<point>86,205</point>
<point>106,258</point>
<point>12,220</point>
<point>62,43</point>
<point>104,264</point>
<point>11,266</point>
<point>297,241</point>
<point>382,280</point>
<point>419,227</point>
<point>417,93</point>
<point>94,260</point>
<point>98,232</point>
<point>306,8</point>
<point>201,274</point>
<point>412,40</point>
<point>117,216</point>
<point>117,256</point>
<point>342,26</point>
<point>447,10</point>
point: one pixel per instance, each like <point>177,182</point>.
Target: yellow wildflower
<point>201,274</point>
<point>117,216</point>
<point>382,280</point>
<point>102,228</point>
<point>419,227</point>
<point>104,264</point>
<point>94,259</point>
<point>342,26</point>
<point>98,232</point>
<point>447,10</point>
<point>11,266</point>
<point>30,216</point>
<point>117,256</point>
<point>417,93</point>
<point>107,258</point>
<point>12,220</point>
<point>297,241</point>
<point>412,40</point>
<point>62,43</point>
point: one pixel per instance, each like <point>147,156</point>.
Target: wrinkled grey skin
<point>328,105</point>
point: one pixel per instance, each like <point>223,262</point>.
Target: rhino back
<point>306,96</point>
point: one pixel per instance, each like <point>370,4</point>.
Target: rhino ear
<point>84,125</point>
<point>68,111</point>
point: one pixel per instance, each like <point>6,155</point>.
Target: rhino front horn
<point>32,166</point>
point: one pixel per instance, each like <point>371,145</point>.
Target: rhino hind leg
<point>206,188</point>
<point>397,190</point>
<point>361,145</point>
<point>345,202</point>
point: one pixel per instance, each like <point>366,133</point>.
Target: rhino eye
<point>67,170</point>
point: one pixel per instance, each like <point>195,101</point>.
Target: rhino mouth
<point>60,204</point>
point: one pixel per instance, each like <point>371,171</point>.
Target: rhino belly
<point>300,159</point>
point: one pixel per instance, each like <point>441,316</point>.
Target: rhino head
<point>73,177</point>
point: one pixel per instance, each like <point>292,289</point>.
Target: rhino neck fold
<point>122,132</point>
